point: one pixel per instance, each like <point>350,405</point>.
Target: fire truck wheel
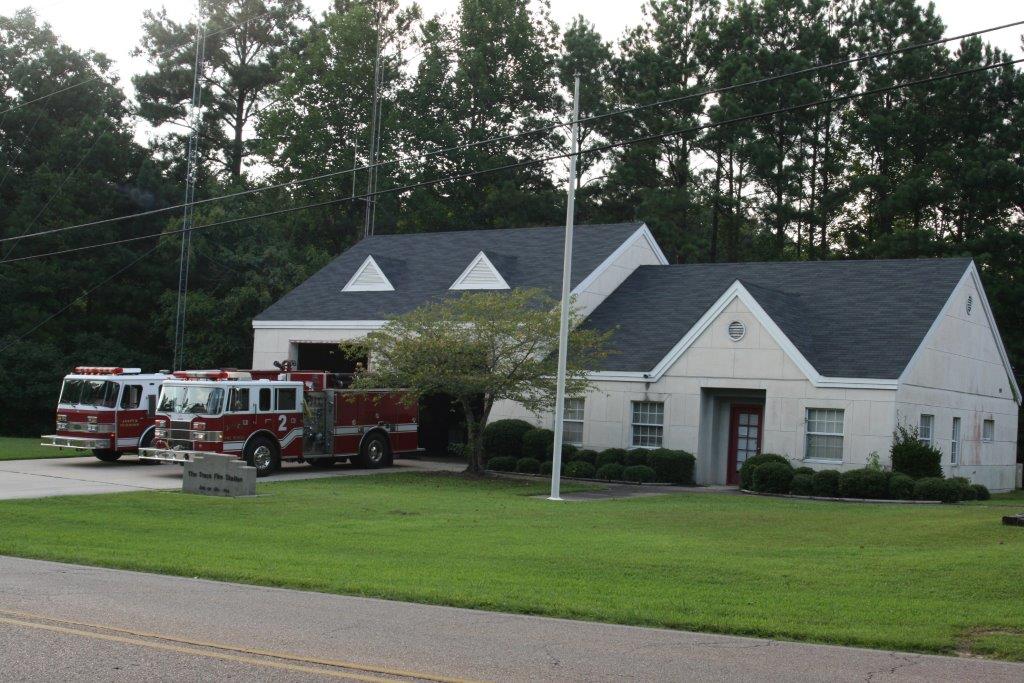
<point>262,453</point>
<point>106,456</point>
<point>374,452</point>
<point>321,463</point>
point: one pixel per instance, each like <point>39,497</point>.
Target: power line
<point>515,136</point>
<point>78,298</point>
<point>546,159</point>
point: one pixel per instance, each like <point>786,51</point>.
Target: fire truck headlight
<point>199,426</point>
<point>159,433</point>
<point>62,418</point>
<point>160,423</point>
<point>91,426</point>
<point>199,436</point>
<point>92,419</point>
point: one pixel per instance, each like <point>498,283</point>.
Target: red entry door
<point>746,423</point>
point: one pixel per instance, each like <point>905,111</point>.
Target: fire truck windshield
<point>89,392</point>
<point>193,400</point>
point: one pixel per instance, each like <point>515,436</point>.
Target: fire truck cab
<point>107,411</point>
<point>266,417</point>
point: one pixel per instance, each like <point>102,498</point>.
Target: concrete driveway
<point>79,476</point>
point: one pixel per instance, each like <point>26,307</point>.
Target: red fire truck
<point>267,416</point>
<point>106,411</point>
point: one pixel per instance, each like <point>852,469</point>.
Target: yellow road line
<point>180,643</point>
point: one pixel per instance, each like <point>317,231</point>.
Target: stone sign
<point>1014,520</point>
<point>214,474</point>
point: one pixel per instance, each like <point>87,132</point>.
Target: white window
<point>954,442</point>
<point>572,421</point>
<point>924,432</point>
<point>988,431</point>
<point>648,423</point>
<point>824,434</point>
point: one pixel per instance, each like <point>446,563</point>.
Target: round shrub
<point>538,443</point>
<point>966,491</point>
<point>809,471</point>
<point>545,467</point>
<point>611,455</point>
<point>901,487</point>
<point>528,465</point>
<point>671,466</point>
<point>635,456</point>
<point>611,471</point>
<point>934,488</point>
<point>913,457</point>
<point>752,463</point>
<point>862,483</point>
<point>981,492</point>
<point>502,464</point>
<point>504,438</point>
<point>825,483</point>
<point>801,484</point>
<point>638,474</point>
<point>773,477</point>
<point>584,455</point>
<point>578,468</point>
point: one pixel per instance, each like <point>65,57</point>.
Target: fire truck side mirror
<point>151,405</point>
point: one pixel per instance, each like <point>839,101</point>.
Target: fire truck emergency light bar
<point>211,374</point>
<point>92,370</point>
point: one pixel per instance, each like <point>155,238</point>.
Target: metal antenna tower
<point>195,120</point>
<point>370,216</point>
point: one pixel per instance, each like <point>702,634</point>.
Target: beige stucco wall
<point>959,372</point>
<point>714,361</point>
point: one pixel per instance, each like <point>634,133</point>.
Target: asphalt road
<point>78,476</point>
<point>67,622</point>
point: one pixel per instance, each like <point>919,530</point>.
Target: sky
<point>113,26</point>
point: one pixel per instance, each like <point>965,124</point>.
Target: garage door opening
<point>330,357</point>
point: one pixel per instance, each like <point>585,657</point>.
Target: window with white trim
<point>926,428</point>
<point>988,431</point>
<point>954,442</point>
<point>824,434</point>
<point>648,424</point>
<point>572,421</point>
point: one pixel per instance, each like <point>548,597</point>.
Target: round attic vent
<point>737,330</point>
<point>970,304</point>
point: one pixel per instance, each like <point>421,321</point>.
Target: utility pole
<point>563,326</point>
<point>195,120</point>
<point>370,216</point>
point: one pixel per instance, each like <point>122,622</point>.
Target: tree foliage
<point>481,348</point>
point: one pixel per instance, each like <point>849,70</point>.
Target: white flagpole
<point>563,328</point>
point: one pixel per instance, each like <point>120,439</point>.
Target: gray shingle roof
<point>423,266</point>
<point>848,318</point>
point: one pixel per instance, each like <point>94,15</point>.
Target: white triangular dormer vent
<point>369,278</point>
<point>480,274</point>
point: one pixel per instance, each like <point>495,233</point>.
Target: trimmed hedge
<point>801,484</point>
<point>863,483</point>
<point>672,466</point>
<point>934,488</point>
<point>772,477</point>
<point>578,468</point>
<point>901,487</point>
<point>611,471</point>
<point>825,483</point>
<point>538,443</point>
<point>966,490</point>
<point>504,438</point>
<point>638,474</point>
<point>981,492</point>
<point>804,470</point>
<point>913,457</point>
<point>611,455</point>
<point>752,463</point>
<point>635,456</point>
<point>528,465</point>
<point>584,455</point>
<point>502,464</point>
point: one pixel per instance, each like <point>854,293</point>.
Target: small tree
<point>481,347</point>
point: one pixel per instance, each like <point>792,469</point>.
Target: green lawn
<point>918,577</point>
<point>17,448</point>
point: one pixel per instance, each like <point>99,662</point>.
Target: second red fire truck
<point>266,417</point>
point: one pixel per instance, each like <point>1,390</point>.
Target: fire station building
<point>819,360</point>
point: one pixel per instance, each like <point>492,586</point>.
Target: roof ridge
<point>485,229</point>
<point>822,261</point>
